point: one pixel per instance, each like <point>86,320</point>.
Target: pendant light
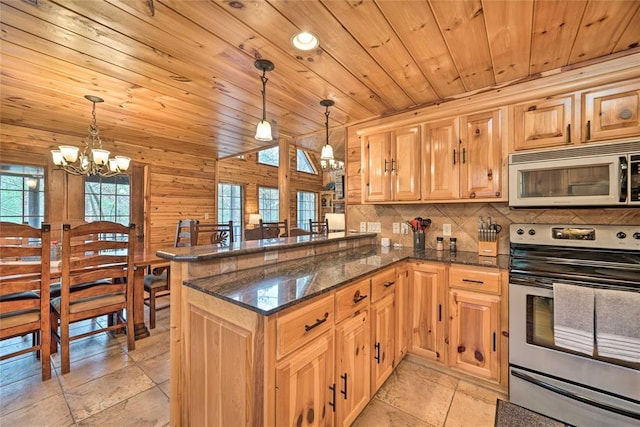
<point>263,131</point>
<point>326,156</point>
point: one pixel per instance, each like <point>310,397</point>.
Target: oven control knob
<point>621,235</point>
<point>520,232</point>
<point>636,236</point>
<point>532,232</point>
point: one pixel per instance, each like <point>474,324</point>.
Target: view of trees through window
<point>107,199</point>
<point>22,194</point>
<point>230,207</point>
<point>307,203</point>
<point>303,163</point>
<point>269,204</point>
<point>270,156</point>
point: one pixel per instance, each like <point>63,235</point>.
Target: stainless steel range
<point>574,320</point>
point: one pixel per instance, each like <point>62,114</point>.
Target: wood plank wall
<point>180,185</point>
<point>251,175</point>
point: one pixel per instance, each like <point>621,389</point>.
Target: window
<point>303,164</point>
<point>307,203</point>
<point>269,204</point>
<point>230,207</point>
<point>22,194</point>
<point>107,199</point>
<point>270,156</point>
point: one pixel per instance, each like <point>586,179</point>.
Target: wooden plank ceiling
<point>178,73</point>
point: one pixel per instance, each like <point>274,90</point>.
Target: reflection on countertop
<point>271,288</point>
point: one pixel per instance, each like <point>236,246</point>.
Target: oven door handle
<point>574,396</point>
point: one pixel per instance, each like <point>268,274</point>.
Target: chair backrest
<point>100,253</point>
<point>253,233</point>
<point>319,227</point>
<point>24,267</point>
<point>183,233</point>
<point>272,230</point>
<point>211,234</point>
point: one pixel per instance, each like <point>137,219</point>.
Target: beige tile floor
<point>109,385</point>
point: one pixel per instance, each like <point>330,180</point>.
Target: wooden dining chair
<point>97,280</point>
<point>273,230</point>
<point>24,289</point>
<point>157,282</point>
<point>319,227</point>
<point>211,234</point>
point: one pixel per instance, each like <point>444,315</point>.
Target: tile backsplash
<point>463,218</point>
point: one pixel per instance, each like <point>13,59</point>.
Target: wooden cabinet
<point>403,312</point>
<point>544,123</point>
<point>611,112</point>
<point>295,328</point>
<point>353,362</point>
<point>305,388</point>
<point>464,158</point>
<point>428,297</point>
<point>382,339</point>
<point>392,160</point>
<point>481,156</point>
<point>474,321</point>
<point>440,165</point>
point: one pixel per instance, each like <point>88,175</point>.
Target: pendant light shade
<point>327,152</point>
<point>263,131</point>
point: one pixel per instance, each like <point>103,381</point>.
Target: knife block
<point>488,248</point>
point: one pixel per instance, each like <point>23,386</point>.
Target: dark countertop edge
<point>206,252</point>
<point>413,257</point>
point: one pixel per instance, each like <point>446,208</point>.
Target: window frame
<point>306,155</point>
<point>304,223</point>
<point>268,218</point>
<point>277,157</point>
<point>237,224</point>
<point>102,196</point>
<point>39,191</point>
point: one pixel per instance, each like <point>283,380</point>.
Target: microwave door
<point>587,181</point>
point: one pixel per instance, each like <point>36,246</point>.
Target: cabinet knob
<point>490,174</point>
<point>472,195</point>
<point>497,194</point>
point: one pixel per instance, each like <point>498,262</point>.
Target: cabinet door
<point>378,166</point>
<point>304,383</point>
<point>428,317</point>
<point>383,347</point>
<point>353,380</point>
<point>480,175</point>
<point>543,123</point>
<point>403,312</point>
<point>473,333</point>
<point>441,165</point>
<point>612,112</point>
<point>405,163</point>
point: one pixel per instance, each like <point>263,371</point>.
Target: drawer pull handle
<point>387,284</point>
<point>476,282</point>
<point>377,356</point>
<point>344,392</point>
<point>319,322</point>
<point>357,297</point>
<point>332,403</point>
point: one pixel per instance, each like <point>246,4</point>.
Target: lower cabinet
<point>305,388</point>
<point>352,379</point>
<point>383,340</point>
<point>473,336</point>
<point>428,310</point>
<point>403,311</point>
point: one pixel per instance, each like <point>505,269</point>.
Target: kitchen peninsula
<point>309,327</point>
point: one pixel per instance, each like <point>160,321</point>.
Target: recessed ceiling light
<point>305,41</point>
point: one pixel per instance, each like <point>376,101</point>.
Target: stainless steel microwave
<point>588,175</point>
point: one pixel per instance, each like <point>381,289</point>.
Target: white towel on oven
<point>618,324</point>
<point>573,317</point>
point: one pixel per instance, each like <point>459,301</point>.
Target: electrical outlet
<point>206,215</point>
<point>363,227</point>
<point>404,228</point>
<point>396,228</point>
<point>446,229</point>
<point>373,227</point>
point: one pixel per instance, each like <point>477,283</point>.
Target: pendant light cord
<point>326,123</point>
<point>264,94</point>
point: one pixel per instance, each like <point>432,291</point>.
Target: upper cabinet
<point>611,112</point>
<point>392,161</point>
<point>463,158</point>
<point>543,123</point>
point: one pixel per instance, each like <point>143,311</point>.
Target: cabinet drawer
<point>303,324</point>
<point>475,279</point>
<point>352,298</point>
<point>383,284</point>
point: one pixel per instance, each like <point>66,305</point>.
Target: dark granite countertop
<point>271,288</point>
<point>205,252</point>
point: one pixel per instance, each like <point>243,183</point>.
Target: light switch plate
<point>404,228</point>
<point>373,227</point>
<point>446,229</point>
<point>396,228</point>
<point>363,227</point>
